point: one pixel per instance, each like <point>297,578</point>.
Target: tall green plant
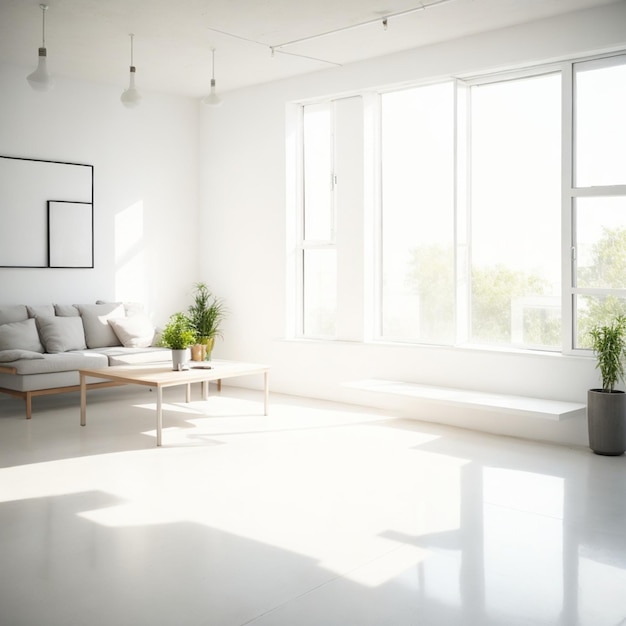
<point>206,313</point>
<point>609,346</point>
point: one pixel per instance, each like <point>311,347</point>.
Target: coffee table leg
<point>83,400</point>
<point>205,389</point>
<point>159,414</point>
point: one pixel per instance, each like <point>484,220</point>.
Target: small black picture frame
<point>70,234</point>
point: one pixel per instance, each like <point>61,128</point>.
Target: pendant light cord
<point>44,8</point>
<point>132,36</point>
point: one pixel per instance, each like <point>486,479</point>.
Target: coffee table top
<point>162,375</point>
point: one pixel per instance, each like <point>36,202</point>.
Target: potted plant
<point>606,407</point>
<point>206,315</point>
<point>178,335</point>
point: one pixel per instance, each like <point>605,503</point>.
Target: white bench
<point>555,410</point>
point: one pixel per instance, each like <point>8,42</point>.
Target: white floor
<point>318,515</point>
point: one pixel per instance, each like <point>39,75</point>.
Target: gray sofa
<point>43,347</point>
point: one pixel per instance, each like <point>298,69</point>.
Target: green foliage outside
<point>493,291</point>
<point>495,288</point>
<point>607,270</point>
<point>432,277</point>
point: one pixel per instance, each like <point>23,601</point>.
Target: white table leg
<point>159,414</point>
<point>205,389</point>
<point>188,393</point>
<point>83,400</point>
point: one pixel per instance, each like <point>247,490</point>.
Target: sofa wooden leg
<point>29,406</point>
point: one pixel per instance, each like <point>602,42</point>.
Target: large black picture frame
<point>46,213</point>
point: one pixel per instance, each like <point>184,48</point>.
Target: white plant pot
<point>179,358</point>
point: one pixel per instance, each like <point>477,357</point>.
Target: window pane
<point>600,242</point>
<point>600,107</point>
<point>318,221</point>
<point>516,212</point>
<point>417,214</point>
<point>592,310</point>
<point>320,292</point>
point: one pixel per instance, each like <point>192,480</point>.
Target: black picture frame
<point>38,198</point>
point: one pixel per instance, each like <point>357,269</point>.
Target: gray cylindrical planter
<point>179,358</point>
<point>606,417</point>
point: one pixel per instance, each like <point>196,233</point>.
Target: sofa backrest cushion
<point>61,334</point>
<point>36,311</point>
<point>98,333</point>
<point>14,313</point>
<point>66,310</point>
<point>20,336</point>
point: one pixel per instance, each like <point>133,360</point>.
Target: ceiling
<point>89,39</point>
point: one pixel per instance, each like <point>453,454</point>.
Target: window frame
<point>372,206</point>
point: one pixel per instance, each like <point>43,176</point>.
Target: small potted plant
<point>178,335</point>
<point>206,315</point>
<point>606,407</point>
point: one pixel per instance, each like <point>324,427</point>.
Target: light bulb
<point>131,97</point>
<point>40,79</point>
<point>212,100</point>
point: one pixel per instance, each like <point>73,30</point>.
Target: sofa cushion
<point>136,356</point>
<point>136,331</point>
<point>15,313</point>
<point>39,311</point>
<point>7,356</point>
<point>60,362</point>
<point>60,334</point>
<point>98,333</point>
<point>20,336</point>
<point>66,310</point>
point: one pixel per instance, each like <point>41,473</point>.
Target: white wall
<point>146,190</point>
<point>244,211</point>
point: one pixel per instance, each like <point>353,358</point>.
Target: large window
<point>318,253</point>
<point>417,260</point>
<point>487,212</point>
<point>598,193</point>
<point>515,212</point>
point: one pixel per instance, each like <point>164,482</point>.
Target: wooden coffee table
<point>160,376</point>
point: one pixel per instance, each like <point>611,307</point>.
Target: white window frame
<point>372,201</point>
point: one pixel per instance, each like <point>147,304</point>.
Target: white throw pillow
<point>20,336</point>
<point>98,333</point>
<point>136,331</point>
<point>60,334</point>
<point>8,356</point>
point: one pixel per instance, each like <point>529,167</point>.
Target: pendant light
<point>131,97</point>
<point>40,80</point>
<point>212,100</point>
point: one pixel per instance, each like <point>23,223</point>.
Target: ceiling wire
<point>383,19</point>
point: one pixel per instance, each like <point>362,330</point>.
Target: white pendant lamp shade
<point>213,99</point>
<point>40,79</point>
<point>131,97</point>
